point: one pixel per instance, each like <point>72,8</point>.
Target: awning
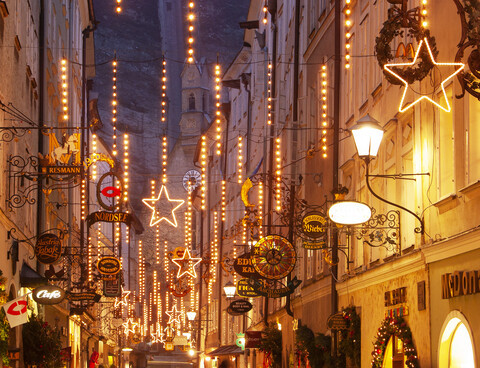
<point>30,278</point>
<point>226,350</point>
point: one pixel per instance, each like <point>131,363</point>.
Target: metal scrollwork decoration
<point>382,230</point>
<point>470,38</point>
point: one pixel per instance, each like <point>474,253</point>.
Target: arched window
<point>456,345</point>
<point>191,101</point>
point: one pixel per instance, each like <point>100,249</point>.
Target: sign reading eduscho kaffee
<point>48,248</point>
<point>48,294</point>
<point>109,266</point>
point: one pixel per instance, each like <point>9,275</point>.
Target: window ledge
<point>470,189</point>
<point>445,202</point>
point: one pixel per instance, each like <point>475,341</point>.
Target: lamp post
<point>368,134</point>
<point>230,290</point>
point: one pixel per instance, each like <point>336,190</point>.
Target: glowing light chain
<point>240,159</point>
<point>188,217</point>
<point>348,34</point>
<point>167,274</point>
<point>191,18</point>
<point>403,108</point>
<point>164,159</point>
<point>269,93</point>
<point>83,199</point>
<point>63,68</point>
<point>141,269</point>
<point>260,208</point>
<point>153,204</point>
<point>164,91</point>
<point>126,166</point>
<point>278,175</point>
<point>118,8</point>
<point>94,151</point>
<point>203,164</point>
<point>90,259</point>
<point>114,107</point>
<point>265,12</point>
<point>423,12</point>
<point>218,119</point>
<point>324,111</point>
<point>224,200</point>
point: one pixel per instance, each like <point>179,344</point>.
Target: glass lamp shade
<point>191,315</point>
<point>230,289</point>
<point>349,213</point>
<point>367,134</point>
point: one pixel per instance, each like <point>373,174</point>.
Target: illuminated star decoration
<point>129,326</point>
<point>420,45</point>
<point>174,315</point>
<point>158,335</point>
<point>162,203</point>
<point>186,264</point>
<point>123,299</point>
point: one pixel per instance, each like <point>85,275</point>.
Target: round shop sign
<point>240,306</point>
<point>48,294</point>
<point>109,266</point>
<point>48,248</point>
<point>314,225</point>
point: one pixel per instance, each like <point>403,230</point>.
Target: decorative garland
<point>314,349</point>
<point>271,345</point>
<point>350,343</point>
<point>394,326</point>
<point>392,28</point>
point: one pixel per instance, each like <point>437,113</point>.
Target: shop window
<point>456,345</point>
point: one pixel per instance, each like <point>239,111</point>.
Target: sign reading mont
<point>104,216</point>
<point>243,266</point>
<point>48,294</point>
<point>48,248</point>
<point>109,265</point>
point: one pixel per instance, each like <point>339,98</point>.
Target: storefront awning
<point>30,278</point>
<point>226,350</point>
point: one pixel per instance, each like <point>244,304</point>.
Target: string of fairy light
<point>203,164</point>
<point>269,93</point>
<point>218,120</point>
<point>118,8</point>
<point>278,174</point>
<point>114,106</point>
<point>265,12</point>
<point>240,159</point>
<point>348,34</point>
<point>63,68</point>
<point>324,111</point>
<point>214,257</point>
<point>191,19</point>
<point>424,14</point>
<point>260,208</point>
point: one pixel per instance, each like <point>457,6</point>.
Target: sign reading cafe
<point>48,294</point>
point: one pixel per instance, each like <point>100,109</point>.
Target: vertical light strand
<point>164,159</point>
<point>278,175</point>
<point>244,227</point>
<point>260,208</point>
<point>324,111</point>
<point>155,293</point>
<point>424,14</point>
<point>114,107</point>
<point>141,274</point>
<point>63,68</point>
<point>167,274</point>
<point>126,166</point>
<point>269,93</point>
<point>90,259</point>
<point>235,257</point>
<point>348,34</point>
<point>83,199</point>
<point>94,156</point>
<point>218,120</point>
<point>224,200</point>
<point>203,164</point>
<point>265,12</point>
<point>191,19</point>
<point>164,91</point>
<point>118,7</point>
<point>240,159</point>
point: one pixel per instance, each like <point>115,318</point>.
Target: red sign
<point>252,339</point>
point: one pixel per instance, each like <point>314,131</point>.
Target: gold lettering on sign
<point>460,283</point>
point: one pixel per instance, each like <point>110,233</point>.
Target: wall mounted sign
<point>112,288</point>
<point>314,225</point>
<point>109,265</point>
<point>460,283</point>
<point>274,292</point>
<point>273,257</point>
<point>84,296</point>
<point>109,186</point>
<point>314,244</point>
<point>337,322</point>
<point>48,294</point>
<point>240,306</point>
<point>394,297</point>
<point>63,170</point>
<point>243,266</point>
<point>244,289</point>
<point>252,339</point>
<point>232,312</point>
<point>48,248</point>
<point>103,216</point>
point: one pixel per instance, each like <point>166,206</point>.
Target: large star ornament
<point>186,264</point>
<point>174,315</point>
<point>423,43</point>
<point>163,208</point>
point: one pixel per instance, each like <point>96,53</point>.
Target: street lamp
<point>229,289</point>
<point>349,213</point>
<point>368,134</point>
<point>191,315</point>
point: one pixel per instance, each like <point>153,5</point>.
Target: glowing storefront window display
<point>456,345</point>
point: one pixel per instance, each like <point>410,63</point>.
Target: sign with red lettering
<point>48,294</point>
<point>252,339</point>
<point>48,248</point>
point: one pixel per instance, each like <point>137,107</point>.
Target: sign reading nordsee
<point>48,248</point>
<point>105,216</point>
<point>48,294</point>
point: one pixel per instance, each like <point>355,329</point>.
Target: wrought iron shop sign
<point>48,294</point>
<point>244,267</point>
<point>244,289</point>
<point>108,265</point>
<point>240,306</point>
<point>84,295</point>
<point>264,289</point>
<point>337,322</point>
<point>48,248</point>
<point>103,216</point>
<point>314,225</point>
<point>112,288</point>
